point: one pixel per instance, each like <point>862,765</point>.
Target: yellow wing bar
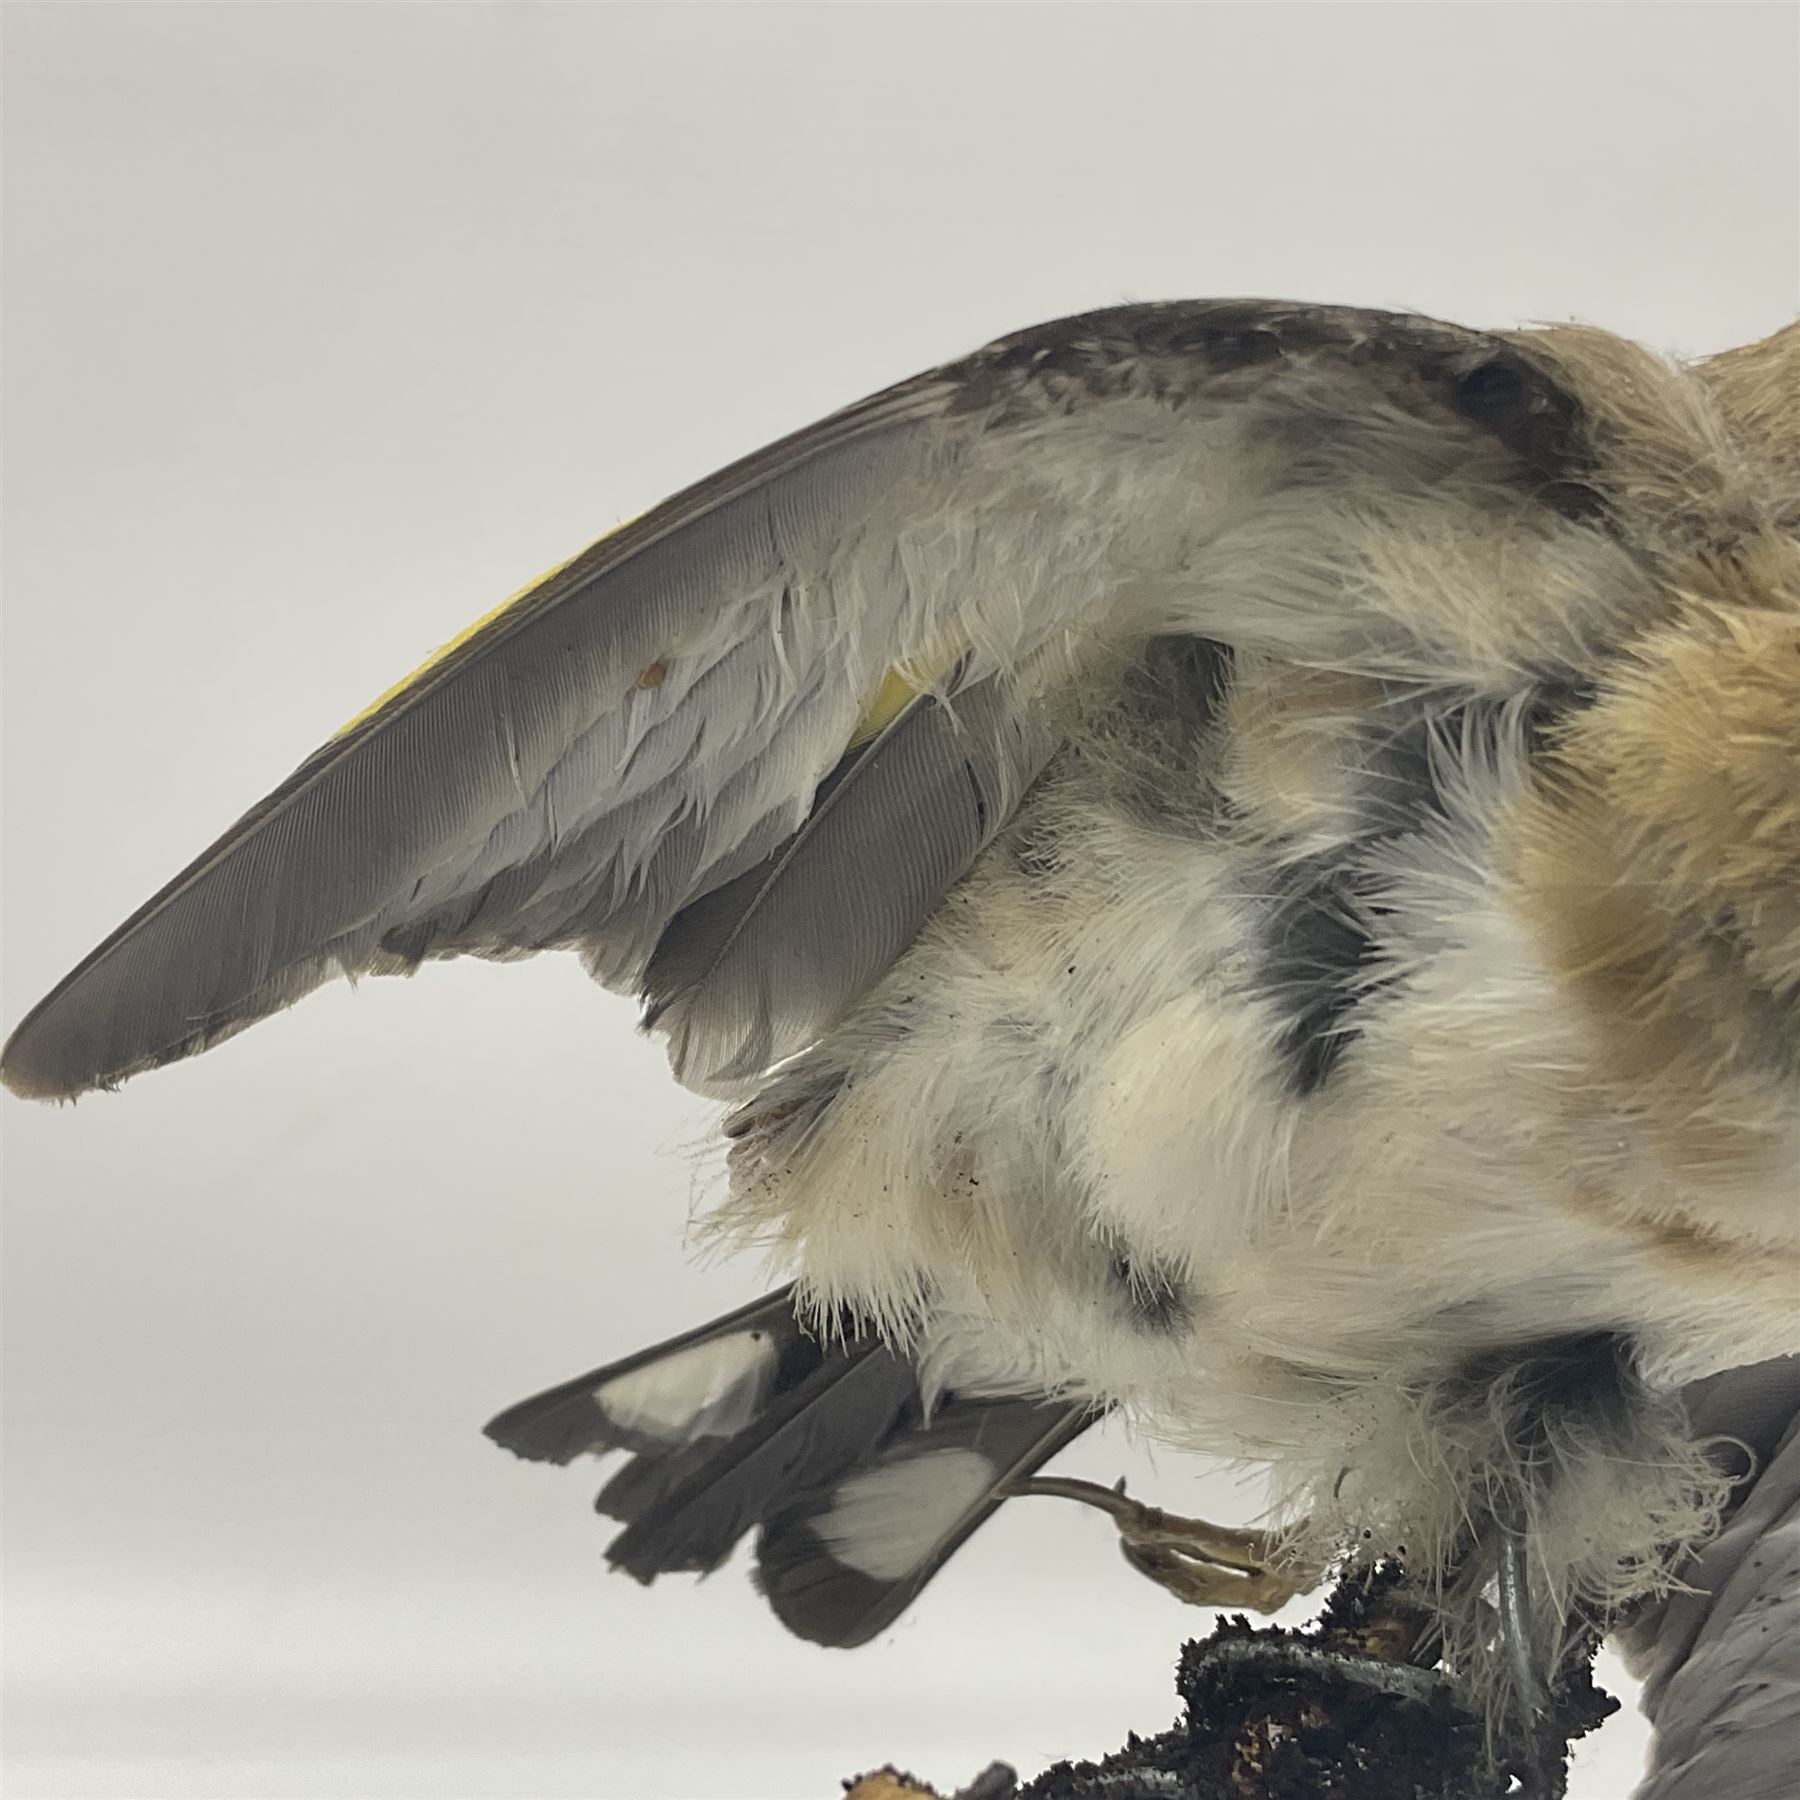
<point>890,699</point>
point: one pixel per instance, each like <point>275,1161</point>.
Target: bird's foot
<point>1199,1563</point>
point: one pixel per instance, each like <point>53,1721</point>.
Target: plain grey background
<point>325,326</point>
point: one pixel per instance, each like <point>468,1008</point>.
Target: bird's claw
<point>1198,1562</point>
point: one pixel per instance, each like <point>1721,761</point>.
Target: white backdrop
<point>325,327</point>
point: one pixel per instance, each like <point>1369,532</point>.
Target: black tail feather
<point>843,1562</point>
<point>572,1419</point>
<point>828,1424</point>
<point>751,1421</point>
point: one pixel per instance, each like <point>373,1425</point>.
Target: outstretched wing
<point>737,751</point>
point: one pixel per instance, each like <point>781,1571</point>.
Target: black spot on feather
<point>1535,418</point>
<point>1408,769</point>
<point>1159,1302</point>
<point>1544,1387</point>
<point>1168,707</point>
<point>1321,932</point>
<point>1318,941</point>
<point>1179,682</point>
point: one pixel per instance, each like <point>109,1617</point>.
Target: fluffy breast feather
<point>1085,1068</point>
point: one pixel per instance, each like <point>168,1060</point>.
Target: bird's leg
<point>1199,1563</point>
<point>1525,1660</point>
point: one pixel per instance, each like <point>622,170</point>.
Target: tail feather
<point>811,1435</point>
<point>645,1482</point>
<point>751,1422</point>
<point>841,1563</point>
<point>699,1385</point>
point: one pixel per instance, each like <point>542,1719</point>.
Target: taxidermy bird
<point>1234,861</point>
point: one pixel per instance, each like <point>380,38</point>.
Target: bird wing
<point>1720,1656</point>
<point>736,752</point>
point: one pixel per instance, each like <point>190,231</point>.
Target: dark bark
<point>1345,1709</point>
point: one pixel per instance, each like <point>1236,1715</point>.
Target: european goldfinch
<point>1235,861</point>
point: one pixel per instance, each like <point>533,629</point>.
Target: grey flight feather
<point>651,721</point>
<point>753,971</point>
<point>530,759</point>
